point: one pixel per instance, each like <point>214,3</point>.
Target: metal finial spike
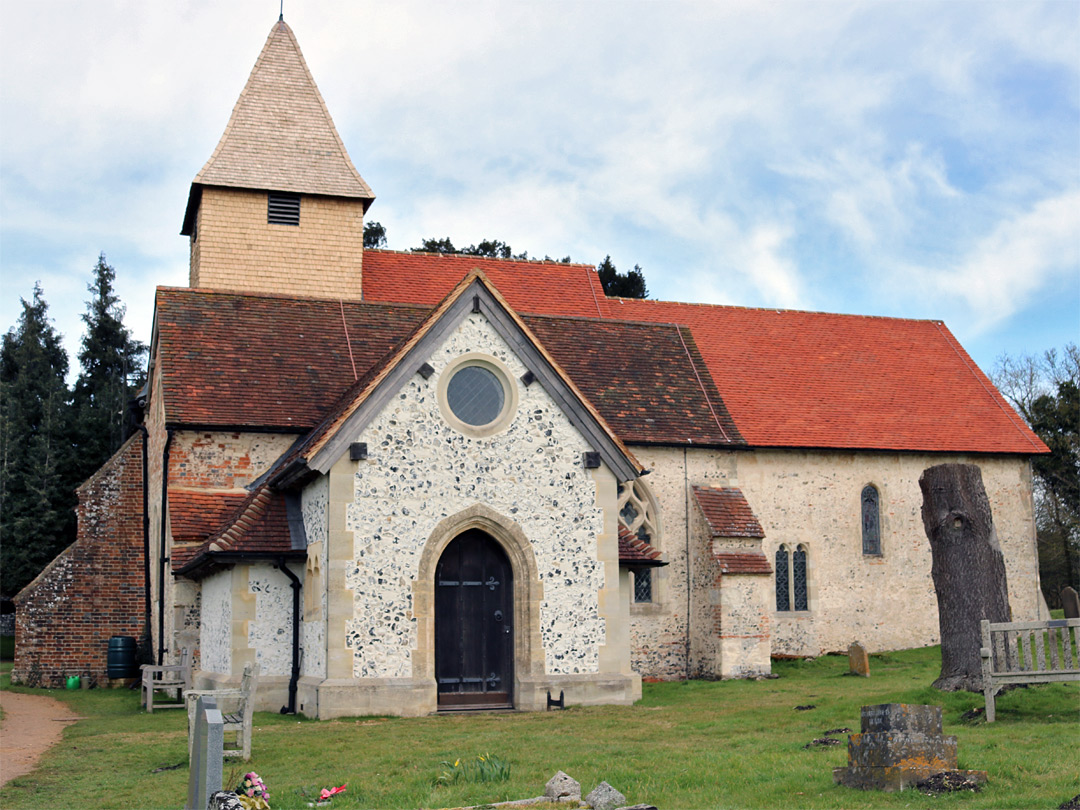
<point>281,12</point>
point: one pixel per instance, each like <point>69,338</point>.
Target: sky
<point>906,159</point>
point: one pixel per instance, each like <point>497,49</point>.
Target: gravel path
<point>32,724</point>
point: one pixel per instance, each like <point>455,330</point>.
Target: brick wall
<point>94,589</point>
<point>236,249</point>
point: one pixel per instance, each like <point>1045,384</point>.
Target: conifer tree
<point>630,284</point>
<point>111,363</point>
<point>37,519</point>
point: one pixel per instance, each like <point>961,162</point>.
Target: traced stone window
<point>637,511</point>
<point>475,395</point>
<point>643,585</point>
<point>871,520</point>
<point>639,514</point>
<point>791,583</point>
<point>798,578</point>
<point>783,588</point>
<point>283,208</point>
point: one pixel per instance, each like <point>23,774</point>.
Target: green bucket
<point>73,682</point>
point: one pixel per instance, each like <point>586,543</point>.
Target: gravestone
<point>562,786</point>
<point>605,797</point>
<point>858,660</point>
<point>205,766</point>
<point>1071,602</point>
<point>900,744</point>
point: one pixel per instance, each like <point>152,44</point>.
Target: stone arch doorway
<point>474,624</point>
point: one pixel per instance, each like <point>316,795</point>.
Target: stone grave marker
<point>858,660</point>
<point>1071,602</point>
<point>900,744</point>
<point>561,786</point>
<point>605,797</point>
<point>204,777</point>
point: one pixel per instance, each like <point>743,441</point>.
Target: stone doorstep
<point>894,778</point>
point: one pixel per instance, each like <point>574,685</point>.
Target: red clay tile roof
<point>193,516</point>
<point>264,361</point>
<point>633,551</point>
<point>727,512</point>
<point>743,563</point>
<point>648,380</point>
<point>810,379</point>
<point>259,525</point>
<point>540,288</point>
<point>353,398</point>
<point>785,378</point>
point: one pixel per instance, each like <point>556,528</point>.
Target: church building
<point>405,482</point>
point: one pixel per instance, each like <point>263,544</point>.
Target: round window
<point>475,395</point>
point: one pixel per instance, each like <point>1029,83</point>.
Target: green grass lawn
<point>730,744</point>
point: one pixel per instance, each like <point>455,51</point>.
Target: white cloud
<point>1006,270</point>
<point>778,154</point>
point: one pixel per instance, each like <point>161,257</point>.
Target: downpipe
<point>294,581</point>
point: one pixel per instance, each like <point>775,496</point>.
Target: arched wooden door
<point>474,632</point>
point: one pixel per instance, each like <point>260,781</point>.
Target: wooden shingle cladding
<point>280,135</point>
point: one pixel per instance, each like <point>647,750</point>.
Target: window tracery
<point>792,585</point>
<point>638,513</point>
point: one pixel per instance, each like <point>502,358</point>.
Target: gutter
<point>294,581</point>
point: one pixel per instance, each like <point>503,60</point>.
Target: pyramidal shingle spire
<point>280,136</point>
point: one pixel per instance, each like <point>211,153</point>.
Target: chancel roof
<point>813,379</point>
<point>280,136</point>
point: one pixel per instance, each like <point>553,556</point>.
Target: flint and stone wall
<point>887,602</point>
<point>247,616</point>
<point>421,472</point>
<point>813,498</point>
<point>94,589</point>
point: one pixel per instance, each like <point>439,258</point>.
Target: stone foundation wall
<point>94,589</point>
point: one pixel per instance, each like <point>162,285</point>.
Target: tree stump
<point>968,569</point>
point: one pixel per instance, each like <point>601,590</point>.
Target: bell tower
<point>279,206</point>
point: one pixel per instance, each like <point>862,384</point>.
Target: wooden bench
<point>236,706</point>
<point>1028,652</point>
<point>168,678</point>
